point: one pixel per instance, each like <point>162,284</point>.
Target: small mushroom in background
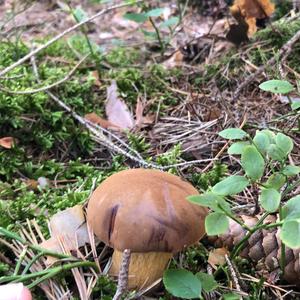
<point>145,211</point>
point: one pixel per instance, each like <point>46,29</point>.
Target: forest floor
<point>129,90</point>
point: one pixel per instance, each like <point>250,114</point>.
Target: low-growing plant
<point>149,15</point>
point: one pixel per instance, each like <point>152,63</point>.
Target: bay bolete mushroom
<point>145,211</point>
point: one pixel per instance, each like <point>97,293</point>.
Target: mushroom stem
<point>144,268</point>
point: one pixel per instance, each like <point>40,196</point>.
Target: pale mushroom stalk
<point>145,211</point>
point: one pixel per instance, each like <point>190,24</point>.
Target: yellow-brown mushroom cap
<point>145,210</point>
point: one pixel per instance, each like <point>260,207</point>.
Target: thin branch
<point>96,130</point>
<point>50,86</point>
<point>285,50</point>
<point>62,34</point>
<point>123,275</point>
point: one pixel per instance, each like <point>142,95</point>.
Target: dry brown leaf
<point>94,118</point>
<point>248,11</point>
<point>175,60</point>
<point>67,227</point>
<point>217,257</point>
<point>116,109</point>
<point>7,142</point>
<point>139,109</point>
<point>95,75</point>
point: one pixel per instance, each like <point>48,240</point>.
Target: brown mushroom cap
<point>145,210</point>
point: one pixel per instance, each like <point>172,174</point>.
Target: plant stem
<point>161,43</point>
<point>234,218</point>
<point>62,268</point>
<point>48,272</point>
<point>20,260</point>
<point>241,244</point>
<point>89,44</point>
<point>282,254</point>
<point>12,235</point>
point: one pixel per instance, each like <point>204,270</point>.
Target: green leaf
<point>291,170</point>
<point>233,133</point>
<point>290,233</point>
<point>291,210</point>
<point>270,134</point>
<point>170,22</point>
<point>252,162</point>
<point>216,223</point>
<point>270,199</point>
<point>231,185</point>
<point>284,142</point>
<point>231,296</point>
<point>206,199</point>
<point>261,141</point>
<point>237,148</point>
<point>276,86</point>
<point>79,14</point>
<point>138,18</point>
<point>276,153</point>
<point>156,12</point>
<point>182,284</point>
<point>211,200</point>
<point>276,181</point>
<point>149,34</point>
<point>208,282</point>
<point>295,105</point>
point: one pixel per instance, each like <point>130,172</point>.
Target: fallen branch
<point>48,87</point>
<point>123,275</point>
<point>98,131</point>
<point>285,50</point>
<point>62,34</point>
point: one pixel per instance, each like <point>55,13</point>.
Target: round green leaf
<point>276,86</point>
<point>252,162</point>
<point>270,134</point>
<point>261,141</point>
<point>276,181</point>
<point>237,148</point>
<point>136,17</point>
<point>284,142</point>
<point>232,133</point>
<point>295,105</point>
<point>231,296</point>
<point>231,185</point>
<point>291,210</point>
<point>208,282</point>
<point>291,170</point>
<point>182,284</point>
<point>276,153</point>
<point>216,223</point>
<point>155,12</point>
<point>170,22</point>
<point>290,233</point>
<point>270,199</point>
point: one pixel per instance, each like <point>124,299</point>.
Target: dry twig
<point>62,34</point>
<point>285,50</point>
<point>123,275</point>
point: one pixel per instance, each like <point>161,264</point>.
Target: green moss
<point>205,180</point>
<point>123,57</point>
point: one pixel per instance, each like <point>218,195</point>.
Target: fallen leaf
<point>217,257</point>
<point>248,12</point>
<point>67,227</point>
<point>116,110</point>
<point>175,60</point>
<point>139,109</point>
<point>94,118</point>
<point>7,142</point>
<point>95,76</point>
<point>213,114</point>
